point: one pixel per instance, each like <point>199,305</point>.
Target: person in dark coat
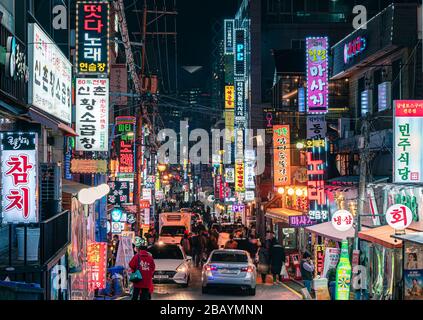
<point>196,249</point>
<point>263,262</point>
<point>277,259</point>
<point>144,262</point>
<point>252,246</point>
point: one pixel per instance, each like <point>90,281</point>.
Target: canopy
<point>383,236</point>
<point>326,230</point>
<point>282,213</point>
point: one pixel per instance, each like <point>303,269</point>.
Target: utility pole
<point>364,160</point>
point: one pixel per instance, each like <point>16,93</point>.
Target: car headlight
<point>181,268</point>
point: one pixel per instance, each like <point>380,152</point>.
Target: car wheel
<point>252,292</point>
<point>204,290</point>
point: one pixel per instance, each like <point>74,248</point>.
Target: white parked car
<point>173,266</point>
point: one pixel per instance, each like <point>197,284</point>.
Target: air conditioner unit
<point>50,190</point>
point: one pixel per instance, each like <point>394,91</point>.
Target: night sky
<point>195,21</point>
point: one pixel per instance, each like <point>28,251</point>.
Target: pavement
<point>267,291</point>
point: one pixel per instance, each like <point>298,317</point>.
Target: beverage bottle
<point>343,274</point>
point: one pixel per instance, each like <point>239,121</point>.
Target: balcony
<point>31,247</point>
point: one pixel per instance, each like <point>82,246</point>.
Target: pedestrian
<point>204,242</point>
<point>307,269</point>
<point>186,244</point>
<point>263,262</point>
<point>196,248</point>
<point>144,262</point>
<point>252,246</point>
<point>277,260</point>
<point>331,276</point>
<point>213,240</point>
<point>231,243</point>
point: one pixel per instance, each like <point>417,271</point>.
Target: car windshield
<point>173,231</point>
<point>166,252</point>
<point>229,257</point>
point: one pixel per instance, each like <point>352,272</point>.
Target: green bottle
<point>343,274</point>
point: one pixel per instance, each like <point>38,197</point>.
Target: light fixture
<point>161,167</point>
<point>281,190</point>
<point>299,192</point>
<point>291,191</point>
<point>300,145</point>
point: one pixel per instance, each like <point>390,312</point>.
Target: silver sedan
<point>229,268</point>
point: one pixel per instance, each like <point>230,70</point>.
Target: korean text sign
<point>239,177</point>
<point>229,97</point>
<point>92,37</point>
<point>316,162</point>
<point>229,36</point>
<point>92,114</point>
<point>408,132</point>
<point>97,265</point>
<point>281,155</point>
<point>240,52</point>
<point>119,192</point>
<point>50,75</point>
<point>317,74</point>
<point>125,128</point>
<point>19,167</point>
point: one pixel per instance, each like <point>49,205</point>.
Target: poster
<point>50,84</point>
<point>413,284</point>
<point>331,260</point>
<point>92,114</point>
<point>92,37</point>
<point>19,175</point>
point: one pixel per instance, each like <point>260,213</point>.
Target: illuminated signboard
<point>92,37</point>
<point>49,83</point>
<point>92,114</point>
<point>97,265</point>
<point>125,129</point>
<point>88,166</point>
<point>281,156</point>
<point>229,97</point>
<point>229,124</point>
<point>301,100</point>
<point>319,260</point>
<point>268,119</point>
<point>229,36</point>
<point>218,192</point>
<point>119,192</point>
<point>250,159</point>
<point>19,172</point>
<point>239,177</point>
<point>240,116</point>
<point>316,185</point>
<point>316,127</point>
<point>240,53</point>
<point>300,221</point>
<point>354,48</point>
<point>366,102</point>
<point>408,152</point>
<point>230,175</point>
<point>239,145</point>
<point>384,96</point>
<point>317,75</point>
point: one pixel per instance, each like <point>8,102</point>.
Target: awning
<point>326,230</point>
<point>16,111</point>
<point>72,187</point>
<point>50,122</point>
<point>412,237</point>
<point>416,226</point>
<point>282,213</point>
<point>383,236</point>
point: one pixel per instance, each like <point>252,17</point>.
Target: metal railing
<point>52,235</point>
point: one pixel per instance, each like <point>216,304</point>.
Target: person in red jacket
<point>144,262</point>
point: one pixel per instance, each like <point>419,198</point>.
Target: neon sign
<point>354,48</point>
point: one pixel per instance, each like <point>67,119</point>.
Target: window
<point>172,231</point>
<point>172,252</point>
<point>229,257</point>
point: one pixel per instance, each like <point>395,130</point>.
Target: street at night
<point>259,154</point>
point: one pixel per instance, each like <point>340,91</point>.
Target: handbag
<point>137,275</point>
<point>284,272</point>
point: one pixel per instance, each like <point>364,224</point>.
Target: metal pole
<point>363,175</point>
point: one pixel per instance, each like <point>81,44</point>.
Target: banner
<point>317,74</point>
<point>50,84</point>
<point>92,37</point>
<point>239,177</point>
<point>19,172</point>
<point>408,152</point>
<point>92,114</point>
<point>281,156</point>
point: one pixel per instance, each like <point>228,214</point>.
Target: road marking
<point>292,290</point>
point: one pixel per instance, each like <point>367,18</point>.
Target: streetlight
<point>161,167</point>
<point>300,145</point>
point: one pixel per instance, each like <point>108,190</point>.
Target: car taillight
<point>210,268</point>
<point>247,269</point>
